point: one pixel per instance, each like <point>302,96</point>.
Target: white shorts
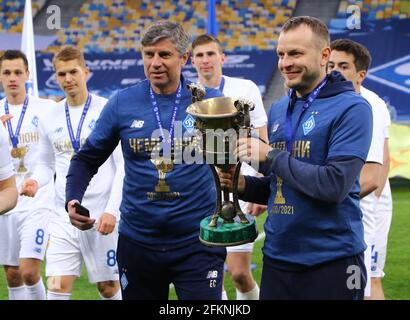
<point>247,247</point>
<point>367,208</point>
<point>69,247</point>
<point>367,263</point>
<point>23,235</point>
<point>368,238</point>
<point>379,247</point>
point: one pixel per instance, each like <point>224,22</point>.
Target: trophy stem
<point>217,213</point>
<point>226,194</point>
<point>235,194</point>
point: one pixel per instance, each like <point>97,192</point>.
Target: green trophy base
<point>227,234</point>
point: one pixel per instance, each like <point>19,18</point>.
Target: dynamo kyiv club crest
<point>308,125</point>
<point>189,123</point>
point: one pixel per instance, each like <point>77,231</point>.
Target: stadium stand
<point>378,9</point>
<point>115,26</point>
<point>372,11</point>
<point>108,31</point>
<point>384,22</point>
<point>11,14</point>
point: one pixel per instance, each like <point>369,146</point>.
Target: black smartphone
<point>82,210</point>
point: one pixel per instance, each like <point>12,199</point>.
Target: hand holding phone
<point>81,210</point>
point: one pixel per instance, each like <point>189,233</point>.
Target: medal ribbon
<point>75,141</point>
<point>290,132</point>
<point>14,137</point>
<point>170,140</point>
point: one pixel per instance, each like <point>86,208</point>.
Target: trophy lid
<point>219,107</point>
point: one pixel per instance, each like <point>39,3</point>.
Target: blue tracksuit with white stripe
<point>152,218</point>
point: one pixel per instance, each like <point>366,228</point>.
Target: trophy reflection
<point>219,122</point>
<point>20,153</point>
<point>163,167</point>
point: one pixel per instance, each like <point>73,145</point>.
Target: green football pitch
<point>396,282</point>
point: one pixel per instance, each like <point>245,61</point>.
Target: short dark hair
<point>165,29</point>
<point>205,39</point>
<point>68,53</point>
<point>362,57</point>
<point>317,26</point>
<point>13,55</point>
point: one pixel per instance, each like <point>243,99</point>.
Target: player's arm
<point>108,219</point>
<point>84,165</point>
<point>332,181</point>
<point>385,168</point>
<point>8,194</point>
<point>44,170</point>
<point>8,191</point>
<point>369,178</point>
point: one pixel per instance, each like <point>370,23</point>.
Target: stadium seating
<point>378,9</point>
<point>115,26</point>
<point>11,14</point>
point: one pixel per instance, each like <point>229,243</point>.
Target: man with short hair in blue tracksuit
<point>319,137</point>
<point>165,194</point>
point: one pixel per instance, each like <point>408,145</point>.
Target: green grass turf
<point>396,283</point>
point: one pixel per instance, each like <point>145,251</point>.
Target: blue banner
<point>388,42</point>
<point>111,72</point>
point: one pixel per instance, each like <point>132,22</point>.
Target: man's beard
<point>305,82</point>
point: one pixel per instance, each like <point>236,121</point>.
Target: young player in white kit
<point>382,204</point>
<point>208,58</point>
<point>71,121</point>
<point>24,230</point>
<point>8,190</point>
<point>352,60</point>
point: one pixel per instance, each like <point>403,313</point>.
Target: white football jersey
<point>28,143</point>
<point>381,123</point>
<point>243,88</point>
<point>6,167</point>
<point>104,192</point>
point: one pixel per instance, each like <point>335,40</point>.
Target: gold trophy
<point>220,120</point>
<point>163,166</point>
<point>20,153</point>
<point>279,198</point>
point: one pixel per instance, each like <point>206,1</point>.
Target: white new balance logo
<point>137,124</point>
<point>212,274</point>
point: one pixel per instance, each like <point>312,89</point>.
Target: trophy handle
<point>235,194</point>
<point>217,213</point>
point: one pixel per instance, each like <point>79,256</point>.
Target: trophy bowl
<point>220,121</point>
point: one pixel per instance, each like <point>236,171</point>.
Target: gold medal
<point>20,153</point>
<point>15,152</point>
